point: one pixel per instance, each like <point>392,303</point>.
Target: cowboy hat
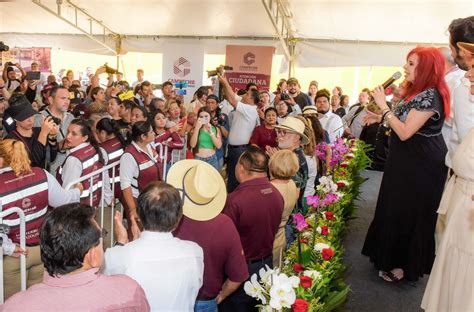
<point>468,47</point>
<point>202,187</point>
<point>294,125</point>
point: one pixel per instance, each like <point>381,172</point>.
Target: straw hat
<point>202,187</point>
<point>294,125</point>
<point>468,47</point>
<point>310,110</point>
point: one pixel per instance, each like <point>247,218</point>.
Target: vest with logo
<point>28,192</point>
<point>148,168</point>
<point>89,158</point>
<point>114,150</point>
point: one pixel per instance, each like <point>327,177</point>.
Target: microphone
<point>391,80</point>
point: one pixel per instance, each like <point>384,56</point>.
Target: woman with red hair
<point>400,240</point>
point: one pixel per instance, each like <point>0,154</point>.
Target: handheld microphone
<point>391,80</point>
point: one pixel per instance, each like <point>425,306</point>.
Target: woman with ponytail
<point>139,165</point>
<point>112,145</point>
<point>32,189</point>
<point>400,241</point>
<point>84,157</point>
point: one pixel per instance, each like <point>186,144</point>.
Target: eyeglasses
<point>282,132</point>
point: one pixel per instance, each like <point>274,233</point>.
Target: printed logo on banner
<point>182,67</point>
<point>249,58</point>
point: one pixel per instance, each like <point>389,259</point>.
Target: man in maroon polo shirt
<point>204,195</point>
<point>256,208</point>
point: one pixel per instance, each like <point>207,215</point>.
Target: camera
<point>219,71</point>
<point>111,71</point>
<point>56,120</point>
<point>3,47</point>
<point>284,97</point>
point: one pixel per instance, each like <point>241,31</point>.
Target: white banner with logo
<point>183,63</point>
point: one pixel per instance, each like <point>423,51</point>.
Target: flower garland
<point>311,278</point>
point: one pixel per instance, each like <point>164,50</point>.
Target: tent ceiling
<point>373,20</point>
<point>148,24</point>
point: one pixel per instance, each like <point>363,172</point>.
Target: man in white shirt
<point>354,119</point>
<point>463,100</point>
<point>330,122</point>
<point>244,119</point>
<point>169,270</point>
<point>140,78</point>
<point>453,75</point>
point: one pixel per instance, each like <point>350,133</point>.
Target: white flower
<point>320,246</point>
<point>327,185</point>
<point>266,308</point>
<point>294,281</point>
<point>313,274</point>
<point>307,235</point>
<point>265,275</point>
<point>282,294</point>
<point>254,289</point>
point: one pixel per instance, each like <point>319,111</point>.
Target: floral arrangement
<point>311,278</point>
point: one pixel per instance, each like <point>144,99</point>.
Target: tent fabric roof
<point>23,23</point>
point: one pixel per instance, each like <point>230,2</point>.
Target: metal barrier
<point>21,215</point>
<point>163,152</point>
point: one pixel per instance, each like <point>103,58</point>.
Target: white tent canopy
<point>330,33</point>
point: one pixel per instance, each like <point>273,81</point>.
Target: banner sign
<point>26,56</point>
<point>183,66</point>
<point>251,64</point>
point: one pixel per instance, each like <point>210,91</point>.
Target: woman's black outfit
<point>402,232</point>
<point>36,151</point>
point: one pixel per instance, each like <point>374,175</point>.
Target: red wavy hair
<point>429,73</point>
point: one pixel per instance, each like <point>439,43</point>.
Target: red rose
<point>349,156</point>
<point>324,230</point>
<point>343,165</point>
<point>340,184</point>
<point>297,268</point>
<point>300,305</point>
<point>306,281</point>
<point>328,253</point>
<point>303,240</point>
<point>329,215</point>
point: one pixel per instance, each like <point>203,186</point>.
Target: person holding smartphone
<point>205,139</point>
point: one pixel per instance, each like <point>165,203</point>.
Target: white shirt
<point>170,270</point>
<point>129,168</point>
<point>463,117</point>
<point>244,120</point>
<point>312,173</point>
<point>453,80</point>
<point>72,170</point>
<point>332,123</point>
<point>356,124</point>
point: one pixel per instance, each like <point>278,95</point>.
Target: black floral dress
<point>401,234</point>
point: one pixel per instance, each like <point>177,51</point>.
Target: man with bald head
<point>452,75</point>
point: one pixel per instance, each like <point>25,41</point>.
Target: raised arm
<point>229,93</point>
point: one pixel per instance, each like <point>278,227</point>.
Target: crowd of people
<point>208,187</point>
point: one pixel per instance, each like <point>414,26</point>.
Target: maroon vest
<point>148,168</point>
<point>114,150</point>
<point>89,158</point>
<point>28,192</point>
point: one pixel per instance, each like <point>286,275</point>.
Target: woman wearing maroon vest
<point>112,145</point>
<point>33,190</point>
<point>139,165</point>
<point>83,158</point>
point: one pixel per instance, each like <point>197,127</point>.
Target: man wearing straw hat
<point>256,208</point>
<point>204,194</point>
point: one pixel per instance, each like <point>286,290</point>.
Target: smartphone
<point>36,75</point>
<point>180,92</point>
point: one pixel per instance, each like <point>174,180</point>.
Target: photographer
<point>205,139</point>
<point>9,76</point>
<point>36,139</point>
<point>57,109</point>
